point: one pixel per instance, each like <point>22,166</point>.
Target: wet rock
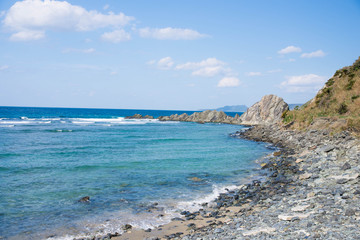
<point>84,199</point>
<point>126,227</point>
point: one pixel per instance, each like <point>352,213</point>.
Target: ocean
<point>141,172</point>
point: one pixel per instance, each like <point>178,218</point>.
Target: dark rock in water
<point>185,213</point>
<point>84,199</point>
<point>148,230</point>
<point>177,219</point>
<point>126,227</point>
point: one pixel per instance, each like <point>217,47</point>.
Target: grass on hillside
<point>338,101</point>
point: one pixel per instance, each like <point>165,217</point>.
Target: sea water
<point>52,157</point>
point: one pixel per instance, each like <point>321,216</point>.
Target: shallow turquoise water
<point>50,158</point>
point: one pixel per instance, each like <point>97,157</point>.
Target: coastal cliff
<point>268,110</point>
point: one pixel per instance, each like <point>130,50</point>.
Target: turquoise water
<point>50,158</point>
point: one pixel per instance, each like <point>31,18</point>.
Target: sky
<point>178,55</point>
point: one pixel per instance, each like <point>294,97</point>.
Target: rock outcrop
<point>203,117</point>
<point>269,110</point>
<point>139,116</point>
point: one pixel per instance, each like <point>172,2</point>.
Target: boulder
<point>268,111</point>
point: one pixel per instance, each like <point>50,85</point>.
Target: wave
<point>196,204</point>
<point>23,121</point>
<point>60,130</point>
<point>143,219</point>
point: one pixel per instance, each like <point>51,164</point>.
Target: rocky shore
<point>312,192</point>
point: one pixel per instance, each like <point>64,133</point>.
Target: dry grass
<point>338,102</point>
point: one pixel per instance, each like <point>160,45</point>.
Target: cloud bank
<point>30,19</point>
<point>210,67</point>
<point>303,83</point>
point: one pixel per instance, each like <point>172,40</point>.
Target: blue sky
<point>171,54</point>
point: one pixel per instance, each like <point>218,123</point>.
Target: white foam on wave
<point>15,122</point>
<point>114,221</point>
<point>112,121</point>
<point>24,121</point>
<point>194,205</point>
<point>107,122</point>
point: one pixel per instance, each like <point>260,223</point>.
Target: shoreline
<point>312,192</point>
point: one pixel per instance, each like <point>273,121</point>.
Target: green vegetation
<point>343,108</point>
<point>355,97</point>
<point>330,82</point>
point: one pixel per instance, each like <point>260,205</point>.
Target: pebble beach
<point>312,192</point>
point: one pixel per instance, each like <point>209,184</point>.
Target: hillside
<point>336,106</point>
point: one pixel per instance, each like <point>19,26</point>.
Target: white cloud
<point>89,50</point>
<point>292,60</point>
<point>106,6</point>
<point>318,53</point>
<point>229,82</point>
<point>209,67</point>
<point>289,49</point>
<point>252,74</point>
<point>303,83</point>
<point>31,18</point>
<point>209,62</point>
<point>116,36</point>
<point>2,13</point>
<point>170,33</point>
<point>4,67</point>
<point>27,35</point>
<point>209,71</point>
<point>165,63</point>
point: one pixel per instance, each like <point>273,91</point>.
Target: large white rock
<point>269,110</point>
